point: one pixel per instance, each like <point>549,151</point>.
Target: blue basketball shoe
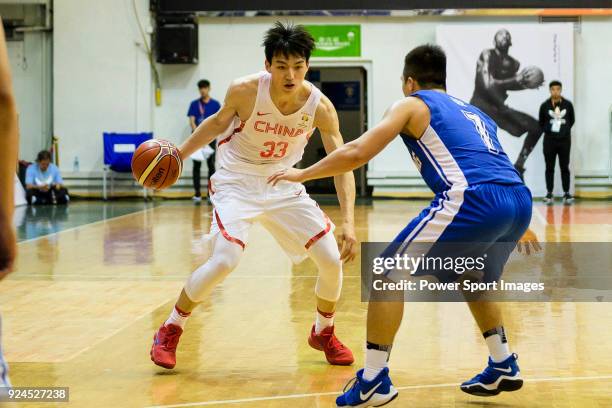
<point>497,377</point>
<point>375,393</point>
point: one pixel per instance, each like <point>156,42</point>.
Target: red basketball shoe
<point>163,351</point>
<point>336,353</point>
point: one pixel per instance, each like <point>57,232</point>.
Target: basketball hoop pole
<point>54,146</point>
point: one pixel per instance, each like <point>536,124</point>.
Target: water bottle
<point>75,166</point>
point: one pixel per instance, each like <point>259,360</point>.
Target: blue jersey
<point>459,147</point>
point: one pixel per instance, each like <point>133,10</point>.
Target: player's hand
<point>520,77</point>
<point>347,243</point>
<point>528,241</point>
<point>8,248</point>
<point>531,77</point>
<point>294,175</point>
<point>44,188</point>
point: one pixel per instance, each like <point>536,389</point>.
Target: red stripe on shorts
<point>226,235</point>
<point>320,235</point>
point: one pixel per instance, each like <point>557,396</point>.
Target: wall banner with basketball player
<point>504,69</point>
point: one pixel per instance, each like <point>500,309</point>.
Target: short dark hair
<point>554,83</point>
<point>204,83</point>
<point>43,155</point>
<point>427,65</point>
<point>288,39</point>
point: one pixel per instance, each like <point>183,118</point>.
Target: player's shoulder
<point>325,107</point>
<point>406,108</point>
<point>410,104</point>
<point>245,85</point>
<point>486,53</point>
<point>325,113</point>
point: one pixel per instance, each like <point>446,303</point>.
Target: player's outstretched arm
<point>9,137</point>
<point>358,152</point>
<point>326,119</point>
<point>215,124</point>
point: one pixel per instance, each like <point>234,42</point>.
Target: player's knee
<point>328,260</point>
<point>325,249</point>
<point>225,257</point>
<point>329,264</point>
<point>224,265</point>
<point>329,285</point>
<point>203,280</point>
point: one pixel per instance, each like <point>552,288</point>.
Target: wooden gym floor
<point>94,281</point>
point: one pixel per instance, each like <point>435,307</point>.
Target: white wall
<point>30,63</point>
<point>593,90</point>
<point>102,81</point>
<point>28,71</point>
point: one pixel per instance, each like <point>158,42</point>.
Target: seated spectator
<point>44,184</point>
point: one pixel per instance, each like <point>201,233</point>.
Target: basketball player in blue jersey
<point>479,198</point>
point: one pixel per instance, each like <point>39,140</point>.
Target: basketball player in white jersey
<point>263,126</point>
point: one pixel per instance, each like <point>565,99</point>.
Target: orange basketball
<point>157,164</point>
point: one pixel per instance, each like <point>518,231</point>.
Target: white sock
<point>376,361</point>
<point>497,343</point>
<point>178,317</point>
<point>323,321</point>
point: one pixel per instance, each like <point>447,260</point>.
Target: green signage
<point>336,40</point>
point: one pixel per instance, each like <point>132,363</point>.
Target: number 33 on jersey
<point>267,141</point>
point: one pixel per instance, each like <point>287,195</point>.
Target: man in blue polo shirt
<point>199,110</point>
<point>44,184</point>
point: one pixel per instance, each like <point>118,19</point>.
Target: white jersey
<point>268,141</point>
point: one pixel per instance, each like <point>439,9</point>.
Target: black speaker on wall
<point>176,39</point>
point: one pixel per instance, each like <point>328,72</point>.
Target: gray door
<point>346,88</point>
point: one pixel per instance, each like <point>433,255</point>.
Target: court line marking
<point>114,332</point>
<point>98,222</point>
<point>87,225</point>
<point>100,340</point>
<point>321,394</point>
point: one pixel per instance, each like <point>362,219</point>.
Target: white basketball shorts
<point>286,210</point>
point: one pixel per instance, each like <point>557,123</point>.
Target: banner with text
<point>336,40</point>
